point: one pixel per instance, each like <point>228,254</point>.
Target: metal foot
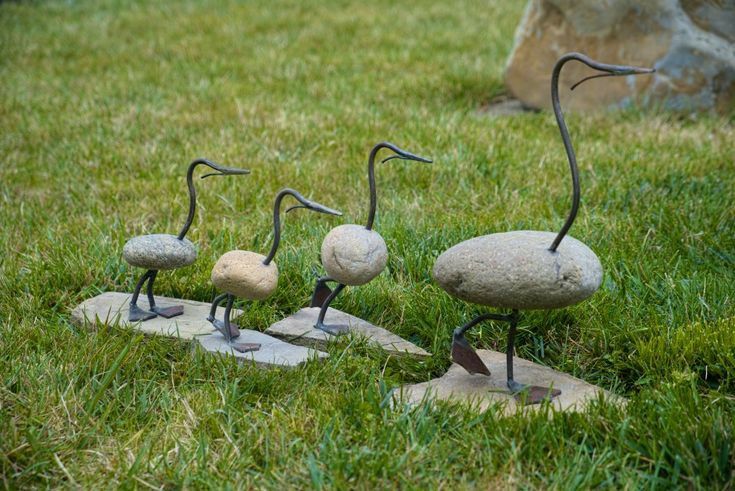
<point>245,347</point>
<point>220,326</point>
<point>334,330</point>
<point>531,394</point>
<point>137,314</point>
<point>465,356</point>
<point>169,312</point>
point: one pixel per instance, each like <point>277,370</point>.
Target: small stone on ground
<point>459,386</point>
<point>299,329</point>
<point>505,107</point>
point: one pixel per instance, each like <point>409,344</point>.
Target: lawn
<point>104,103</point>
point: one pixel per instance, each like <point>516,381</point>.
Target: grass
<point>104,103</point>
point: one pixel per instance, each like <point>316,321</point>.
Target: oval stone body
<point>159,251</point>
<point>243,274</point>
<point>354,255</point>
<point>516,270</point>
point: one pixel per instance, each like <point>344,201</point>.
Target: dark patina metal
<point>462,353</point>
<point>231,330</point>
<point>136,313</point>
<point>323,296</point>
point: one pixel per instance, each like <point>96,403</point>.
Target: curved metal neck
<point>192,199</point>
<point>373,188</point>
<point>567,146</point>
<point>276,225</point>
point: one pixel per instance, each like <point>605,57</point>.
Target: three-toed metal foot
<point>321,293</point>
<point>531,394</point>
<point>334,329</point>
<point>137,314</point>
<point>465,356</point>
<point>169,312</point>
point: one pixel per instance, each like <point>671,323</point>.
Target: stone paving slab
<point>112,307</point>
<point>299,329</point>
<point>483,391</point>
<point>272,353</point>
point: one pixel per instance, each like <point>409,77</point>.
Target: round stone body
<point>516,270</point>
<point>159,252</point>
<point>354,255</point>
<point>243,274</point>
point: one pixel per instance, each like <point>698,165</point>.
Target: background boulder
<point>691,43</point>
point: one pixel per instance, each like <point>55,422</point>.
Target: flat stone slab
<point>482,391</point>
<point>299,329</point>
<point>272,353</point>
<point>112,308</point>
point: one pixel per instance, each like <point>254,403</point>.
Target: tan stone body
<point>243,274</point>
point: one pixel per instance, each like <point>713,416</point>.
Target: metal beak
<point>613,71</point>
<point>320,208</point>
<point>225,171</point>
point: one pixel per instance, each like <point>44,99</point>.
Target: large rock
<point>516,270</point>
<point>159,251</point>
<point>354,255</point>
<point>691,43</point>
<point>243,274</point>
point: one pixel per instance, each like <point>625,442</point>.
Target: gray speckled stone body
<point>159,251</point>
<point>243,274</point>
<point>354,255</point>
<point>516,270</point>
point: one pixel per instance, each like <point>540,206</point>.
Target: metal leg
<point>525,394</point>
<point>167,312</point>
<point>228,331</point>
<point>215,303</point>
<point>463,354</point>
<point>321,292</point>
<point>333,330</point>
<point>228,310</point>
<point>135,313</point>
<point>514,386</point>
<point>218,324</point>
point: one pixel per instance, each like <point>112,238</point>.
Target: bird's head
<point>399,153</point>
<point>607,69</point>
<point>311,205</point>
<point>220,170</point>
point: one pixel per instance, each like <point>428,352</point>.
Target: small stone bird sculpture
<point>163,251</point>
<point>251,275</point>
<point>352,254</point>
